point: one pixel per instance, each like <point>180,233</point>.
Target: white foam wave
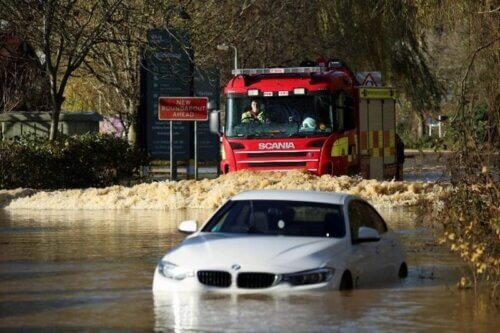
<point>210,193</point>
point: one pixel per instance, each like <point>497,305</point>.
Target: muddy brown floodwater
<point>79,270</point>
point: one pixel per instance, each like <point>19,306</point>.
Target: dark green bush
<point>70,162</point>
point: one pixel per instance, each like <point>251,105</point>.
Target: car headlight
<point>312,276</point>
<point>172,271</point>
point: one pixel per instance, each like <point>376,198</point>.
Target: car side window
<point>355,218</point>
<point>376,221</point>
<point>363,215</point>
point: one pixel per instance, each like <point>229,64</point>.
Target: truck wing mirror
<point>211,106</point>
<point>214,122</point>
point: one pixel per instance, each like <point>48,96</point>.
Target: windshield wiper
<point>304,134</point>
<point>246,136</point>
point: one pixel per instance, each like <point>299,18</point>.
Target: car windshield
<point>290,116</point>
<point>275,217</point>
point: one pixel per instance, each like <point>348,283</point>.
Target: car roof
<point>295,195</point>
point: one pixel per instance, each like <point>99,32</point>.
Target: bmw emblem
<point>236,267</point>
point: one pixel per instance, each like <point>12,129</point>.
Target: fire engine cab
<point>318,118</point>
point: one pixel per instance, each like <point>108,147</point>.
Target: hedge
<point>91,160</point>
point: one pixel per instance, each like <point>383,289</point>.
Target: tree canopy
<point>100,41</point>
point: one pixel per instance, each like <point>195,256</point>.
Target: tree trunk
<point>132,129</point>
<point>132,134</point>
<point>420,125</point>
<point>54,124</point>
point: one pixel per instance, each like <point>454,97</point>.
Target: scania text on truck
<point>317,117</point>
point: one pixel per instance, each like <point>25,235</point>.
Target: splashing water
<point>210,193</point>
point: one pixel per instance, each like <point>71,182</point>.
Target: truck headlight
<point>312,276</point>
<point>172,271</point>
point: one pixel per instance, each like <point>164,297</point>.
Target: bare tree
<point>62,32</point>
<point>115,63</point>
<point>23,84</point>
<point>385,38</point>
<point>15,80</point>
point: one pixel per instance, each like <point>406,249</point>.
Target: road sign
<point>183,108</point>
<point>369,79</point>
<point>166,70</point>
<point>377,93</point>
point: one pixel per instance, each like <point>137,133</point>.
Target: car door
<point>385,248</point>
<point>365,258</point>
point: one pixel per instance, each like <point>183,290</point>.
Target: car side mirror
<point>214,122</point>
<point>188,227</point>
<point>367,234</point>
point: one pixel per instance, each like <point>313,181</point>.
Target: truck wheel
<point>403,271</point>
<point>346,281</point>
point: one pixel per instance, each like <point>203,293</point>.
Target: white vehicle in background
<point>274,241</point>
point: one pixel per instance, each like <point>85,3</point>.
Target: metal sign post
<point>183,109</point>
<point>196,150</point>
<point>172,176</point>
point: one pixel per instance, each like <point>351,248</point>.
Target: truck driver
<point>253,114</point>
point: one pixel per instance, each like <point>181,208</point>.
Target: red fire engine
<point>318,118</point>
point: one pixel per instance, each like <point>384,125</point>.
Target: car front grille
<point>215,278</point>
<point>255,280</point>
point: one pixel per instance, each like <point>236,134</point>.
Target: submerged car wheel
<point>346,282</point>
<point>403,271</point>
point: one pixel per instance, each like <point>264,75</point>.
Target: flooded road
<point>92,270</point>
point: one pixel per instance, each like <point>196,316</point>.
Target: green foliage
<point>481,122</point>
<point>425,142</point>
<point>69,162</point>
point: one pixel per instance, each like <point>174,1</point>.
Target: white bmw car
<point>273,241</point>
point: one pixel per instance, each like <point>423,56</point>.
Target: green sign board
<point>167,71</point>
<point>169,74</point>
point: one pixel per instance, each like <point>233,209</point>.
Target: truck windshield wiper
<point>304,134</point>
<point>246,136</point>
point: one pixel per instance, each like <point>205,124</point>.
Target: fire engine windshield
<point>308,115</point>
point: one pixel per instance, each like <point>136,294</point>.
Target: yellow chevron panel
<point>340,147</point>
